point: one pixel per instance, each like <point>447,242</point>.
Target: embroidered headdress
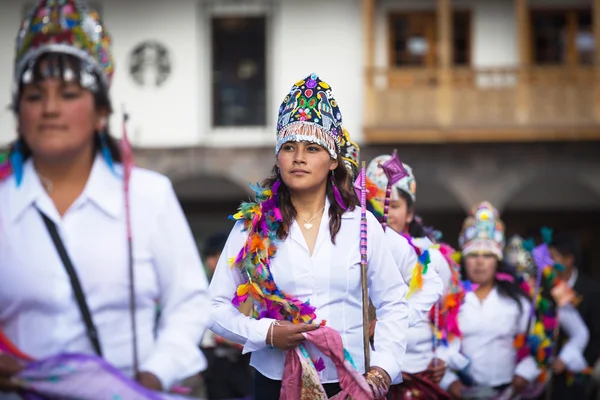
<point>518,255</point>
<point>483,231</point>
<point>310,113</point>
<point>63,26</point>
<point>377,175</point>
<point>350,153</point>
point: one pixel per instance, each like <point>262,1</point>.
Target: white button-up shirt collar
<point>104,188</point>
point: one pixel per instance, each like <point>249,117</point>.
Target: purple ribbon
<point>83,377</point>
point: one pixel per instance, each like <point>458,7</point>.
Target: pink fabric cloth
<point>329,342</point>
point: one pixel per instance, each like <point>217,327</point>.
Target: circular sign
<point>150,64</point>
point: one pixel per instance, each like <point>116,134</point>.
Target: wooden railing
<point>467,104</point>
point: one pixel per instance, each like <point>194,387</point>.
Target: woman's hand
<point>558,366</point>
<point>285,335</point>
<point>380,381</point>
<point>456,390</point>
<point>9,367</point>
<point>519,383</point>
<point>149,381</point>
<point>436,369</point>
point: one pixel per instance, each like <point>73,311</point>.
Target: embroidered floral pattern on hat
<point>63,26</point>
<point>310,113</point>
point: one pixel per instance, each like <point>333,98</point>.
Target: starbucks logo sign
<point>150,64</point>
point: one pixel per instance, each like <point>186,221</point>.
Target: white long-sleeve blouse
<point>330,279</point>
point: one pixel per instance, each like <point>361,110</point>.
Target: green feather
<point>546,234</point>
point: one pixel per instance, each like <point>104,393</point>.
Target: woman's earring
<point>336,193</point>
<point>16,162</point>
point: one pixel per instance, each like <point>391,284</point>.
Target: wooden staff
<point>127,155</point>
<point>363,264</point>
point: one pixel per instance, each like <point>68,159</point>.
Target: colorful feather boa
<point>454,298</point>
<point>261,220</point>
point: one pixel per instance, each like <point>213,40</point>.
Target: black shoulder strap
<point>79,296</point>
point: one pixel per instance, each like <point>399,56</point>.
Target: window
<point>562,37</point>
<point>238,69</point>
<point>413,39</point>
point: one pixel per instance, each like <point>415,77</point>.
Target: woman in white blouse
<point>419,351</point>
<point>420,358</point>
<point>65,177</point>
<point>493,315</point>
<point>314,259</point>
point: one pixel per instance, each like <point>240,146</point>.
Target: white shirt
<point>571,353</point>
<point>38,311</point>
<point>419,349</point>
<point>331,280</point>
<point>489,328</point>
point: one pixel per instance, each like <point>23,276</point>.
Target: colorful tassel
<point>337,194</point>
<point>16,162</point>
<point>106,152</point>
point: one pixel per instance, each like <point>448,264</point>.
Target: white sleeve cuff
<point>448,379</point>
<point>527,369</point>
<point>388,363</point>
<point>573,359</point>
<point>168,370</point>
<point>257,340</point>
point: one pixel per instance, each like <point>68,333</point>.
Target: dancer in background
<point>554,309</point>
<point>492,316</point>
<point>565,251</point>
<point>423,369</point>
<point>77,221</point>
<point>407,259</point>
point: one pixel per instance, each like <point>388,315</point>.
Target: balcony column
<point>524,67</point>
<point>444,22</point>
<point>368,13</point>
<point>596,22</point>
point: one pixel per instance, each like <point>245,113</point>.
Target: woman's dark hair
<point>505,288</point>
<point>288,212</point>
<point>214,244</point>
<point>60,62</point>
<point>415,228</point>
<point>567,245</point>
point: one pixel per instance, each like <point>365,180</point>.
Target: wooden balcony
<point>484,104</point>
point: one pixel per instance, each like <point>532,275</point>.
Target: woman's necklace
<point>46,183</point>
<point>307,225</point>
